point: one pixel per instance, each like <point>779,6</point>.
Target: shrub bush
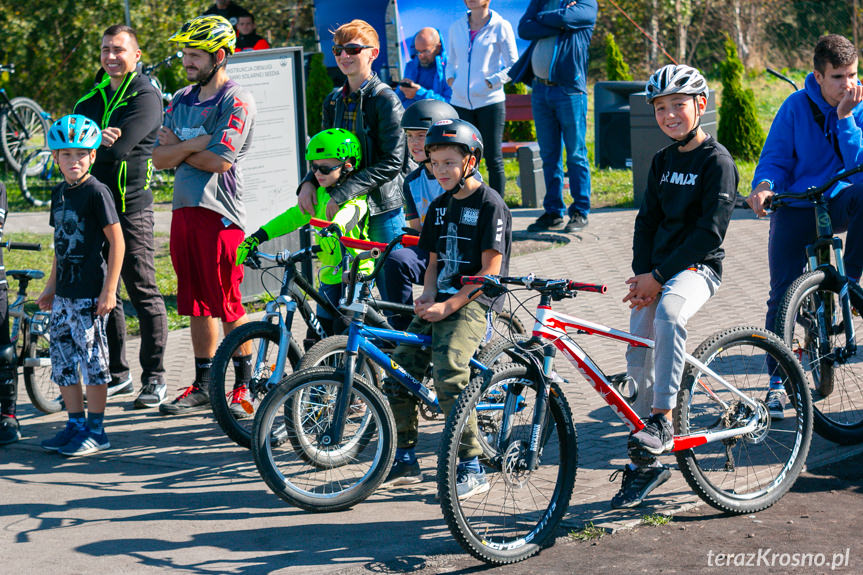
<point>739,130</point>
<point>616,69</point>
<point>318,86</point>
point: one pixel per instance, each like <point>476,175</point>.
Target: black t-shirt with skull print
<point>78,216</point>
<point>458,231</point>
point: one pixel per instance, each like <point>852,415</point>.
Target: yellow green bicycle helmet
<point>334,143</point>
<point>208,33</point>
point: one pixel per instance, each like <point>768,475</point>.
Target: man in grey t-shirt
<point>207,132</point>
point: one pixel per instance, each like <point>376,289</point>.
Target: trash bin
<point>611,123</point>
<point>647,138</point>
<point>530,176</point>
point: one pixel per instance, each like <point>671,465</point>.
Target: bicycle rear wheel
<point>835,375</point>
<point>38,177</point>
<point>750,472</point>
<point>522,508</point>
<point>301,406</point>
<point>37,374</point>
<point>262,339</point>
<point>23,130</point>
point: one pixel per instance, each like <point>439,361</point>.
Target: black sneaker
<point>121,387</point>
<point>403,474</point>
<point>10,431</point>
<point>545,222</point>
<point>193,399</point>
<point>576,223</point>
<point>637,483</point>
<point>656,436</point>
<point>153,394</point>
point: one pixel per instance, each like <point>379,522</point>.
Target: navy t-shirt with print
<point>458,231</point>
<point>78,215</point>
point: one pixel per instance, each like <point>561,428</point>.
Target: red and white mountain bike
<point>732,454</point>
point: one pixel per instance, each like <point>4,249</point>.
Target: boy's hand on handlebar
<point>643,289</point>
<point>249,245</point>
<point>758,198</point>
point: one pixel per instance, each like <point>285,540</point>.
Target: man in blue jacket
<point>425,74</point>
<point>816,133</point>
<point>556,63</point>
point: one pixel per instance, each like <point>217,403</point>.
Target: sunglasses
<point>324,169</point>
<point>351,49</point>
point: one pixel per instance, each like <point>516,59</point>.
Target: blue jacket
<point>797,155</point>
<point>573,26</point>
<point>439,90</point>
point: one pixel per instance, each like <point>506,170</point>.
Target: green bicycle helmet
<point>208,33</point>
<point>335,143</point>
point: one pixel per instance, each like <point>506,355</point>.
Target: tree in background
<point>739,130</point>
<point>616,68</point>
<point>318,86</point>
<point>55,44</point>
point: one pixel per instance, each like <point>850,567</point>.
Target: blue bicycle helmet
<point>74,131</point>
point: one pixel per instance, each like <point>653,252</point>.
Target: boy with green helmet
<point>333,156</point>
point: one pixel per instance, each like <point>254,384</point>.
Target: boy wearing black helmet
<point>677,263</point>
<point>406,267</point>
<point>467,231</point>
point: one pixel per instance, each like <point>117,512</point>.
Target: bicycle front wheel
<point>835,372</point>
<point>232,408</point>
<point>23,130</point>
<point>37,373</point>
<point>522,508</point>
<point>749,472</point>
<point>38,177</point>
<point>301,407</point>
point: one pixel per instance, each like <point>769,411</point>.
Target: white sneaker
<point>470,484</point>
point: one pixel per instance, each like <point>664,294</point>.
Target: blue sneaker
<point>85,442</point>
<point>61,439</point>
<point>470,483</point>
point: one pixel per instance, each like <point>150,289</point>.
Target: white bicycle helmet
<point>675,79</point>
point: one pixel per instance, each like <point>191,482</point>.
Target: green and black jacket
<point>135,108</point>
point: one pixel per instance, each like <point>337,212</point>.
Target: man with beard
<point>206,134</point>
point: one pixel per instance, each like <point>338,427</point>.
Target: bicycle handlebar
<point>495,283</point>
<point>358,244</point>
<point>814,192</point>
<point>282,258</point>
<point>7,68</point>
<point>21,246</point>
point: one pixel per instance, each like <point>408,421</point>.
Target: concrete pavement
<point>175,494</point>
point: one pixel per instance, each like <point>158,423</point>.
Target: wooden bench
<point>518,109</point>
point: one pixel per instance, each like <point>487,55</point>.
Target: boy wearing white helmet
<point>676,263</point>
<point>82,287</point>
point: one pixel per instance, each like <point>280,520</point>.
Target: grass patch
<point>656,519</point>
<point>588,532</point>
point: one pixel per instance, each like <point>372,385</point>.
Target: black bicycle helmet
<point>422,114</point>
<point>457,132</point>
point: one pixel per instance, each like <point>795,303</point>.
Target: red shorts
<point>203,252</point>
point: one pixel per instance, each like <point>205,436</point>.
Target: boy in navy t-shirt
<point>82,287</point>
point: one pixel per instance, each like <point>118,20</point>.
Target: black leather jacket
<point>383,143</point>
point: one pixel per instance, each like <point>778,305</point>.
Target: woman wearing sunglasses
<point>370,109</point>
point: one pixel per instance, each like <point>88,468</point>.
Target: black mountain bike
<point>819,319</point>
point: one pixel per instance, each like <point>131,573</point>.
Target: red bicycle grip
<point>578,286</point>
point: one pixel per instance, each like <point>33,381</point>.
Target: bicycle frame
<point>551,326</point>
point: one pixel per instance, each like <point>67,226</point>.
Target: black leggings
<point>489,121</point>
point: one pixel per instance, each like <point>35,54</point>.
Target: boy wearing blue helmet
<point>82,286</point>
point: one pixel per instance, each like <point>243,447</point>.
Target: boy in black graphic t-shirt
<point>82,286</point>
<point>677,262</point>
<point>467,231</point>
